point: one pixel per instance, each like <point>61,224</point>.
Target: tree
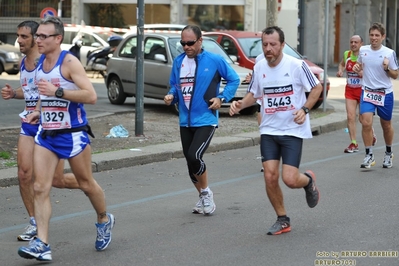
<point>271,13</point>
<point>109,15</point>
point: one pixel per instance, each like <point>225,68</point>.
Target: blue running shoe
<point>36,250</point>
<point>104,233</point>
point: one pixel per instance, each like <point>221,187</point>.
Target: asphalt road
<point>154,224</point>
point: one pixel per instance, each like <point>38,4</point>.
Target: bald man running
<point>353,89</point>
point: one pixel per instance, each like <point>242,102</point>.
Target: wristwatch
<point>222,100</point>
<point>305,109</point>
<point>59,93</point>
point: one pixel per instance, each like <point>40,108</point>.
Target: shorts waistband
<point>53,133</point>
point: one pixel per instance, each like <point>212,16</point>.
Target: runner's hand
<point>7,92</point>
<point>168,99</point>
<point>235,107</point>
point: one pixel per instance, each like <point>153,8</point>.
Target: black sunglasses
<point>189,43</point>
<point>44,36</point>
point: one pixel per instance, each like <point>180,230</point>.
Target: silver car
<point>160,49</point>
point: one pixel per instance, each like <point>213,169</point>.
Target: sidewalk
<point>163,152</point>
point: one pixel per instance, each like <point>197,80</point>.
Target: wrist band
<point>15,94</point>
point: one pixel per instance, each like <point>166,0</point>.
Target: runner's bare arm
<point>73,70</point>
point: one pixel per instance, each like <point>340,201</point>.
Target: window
<point>129,48</point>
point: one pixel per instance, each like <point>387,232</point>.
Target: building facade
<point>303,21</point>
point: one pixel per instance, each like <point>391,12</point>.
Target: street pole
<point>59,13</point>
<point>325,54</point>
<point>139,121</point>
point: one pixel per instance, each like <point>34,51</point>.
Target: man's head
<point>25,35</point>
<point>377,35</point>
<point>355,43</point>
<point>273,42</point>
<point>50,34</point>
<point>191,40</point>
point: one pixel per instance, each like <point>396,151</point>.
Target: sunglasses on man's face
<point>189,43</point>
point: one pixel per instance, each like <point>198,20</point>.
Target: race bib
<point>187,85</point>
<point>55,114</point>
<point>277,99</point>
<point>353,79</point>
<point>30,106</point>
<point>376,97</point>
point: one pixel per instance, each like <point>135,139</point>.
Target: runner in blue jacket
<point>195,83</point>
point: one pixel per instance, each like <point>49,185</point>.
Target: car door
<point>124,65</point>
<point>156,71</point>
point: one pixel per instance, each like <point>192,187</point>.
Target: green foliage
<point>107,15</point>
<point>5,155</point>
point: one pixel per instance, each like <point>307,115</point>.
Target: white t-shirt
<point>374,75</point>
<point>282,91</point>
<point>187,77</point>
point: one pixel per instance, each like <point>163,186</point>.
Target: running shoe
<point>104,233</point>
<point>312,192</point>
<point>198,207</point>
<point>282,225</point>
<point>387,160</point>
<point>30,231</point>
<point>36,250</point>
<point>207,202</point>
<point>368,161</point>
<point>352,148</point>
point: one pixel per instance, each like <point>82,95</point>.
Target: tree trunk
<point>271,13</point>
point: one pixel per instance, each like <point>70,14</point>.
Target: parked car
<point>245,46</point>
<point>92,39</point>
<point>160,49</point>
<point>10,58</point>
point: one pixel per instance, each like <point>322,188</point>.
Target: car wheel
<point>13,72</point>
<point>115,92</point>
<point>1,68</point>
<point>317,104</point>
<point>249,110</point>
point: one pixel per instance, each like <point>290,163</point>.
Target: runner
<point>379,64</point>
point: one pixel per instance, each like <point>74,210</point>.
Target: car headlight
<point>321,76</point>
<point>12,55</point>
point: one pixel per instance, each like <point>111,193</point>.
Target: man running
<point>353,89</point>
<point>28,92</point>
<point>379,64</point>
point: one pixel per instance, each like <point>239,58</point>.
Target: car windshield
<point>252,47</point>
<point>208,44</point>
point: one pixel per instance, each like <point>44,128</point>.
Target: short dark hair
<point>56,21</point>
<point>378,26</point>
<point>33,25</point>
<point>272,29</point>
<point>197,30</point>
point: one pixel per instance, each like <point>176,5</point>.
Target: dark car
<point>9,59</point>
<point>245,46</point>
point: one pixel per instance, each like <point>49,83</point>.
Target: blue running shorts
<point>384,112</point>
<point>29,130</point>
<point>289,148</point>
<point>64,145</point>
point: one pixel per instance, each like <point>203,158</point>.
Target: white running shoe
<point>387,160</point>
<point>198,207</point>
<point>207,202</point>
